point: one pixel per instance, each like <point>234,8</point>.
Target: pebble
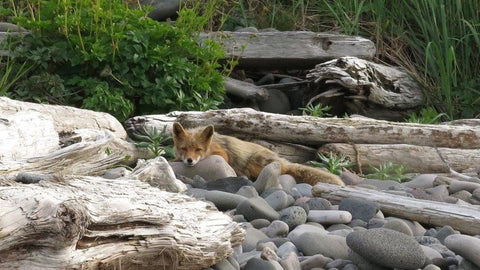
<point>293,216</point>
<point>338,263</point>
<point>380,184</point>
<point>432,267</point>
<point>259,264</point>
<point>278,241</point>
<point>387,247</point>
<point>277,228</point>
<point>260,223</point>
<point>360,209</point>
<point>376,223</point>
<point>350,178</point>
<point>294,235</point>
<point>476,194</point>
<point>269,254</point>
<point>239,218</point>
<point>252,236</point>
<point>456,186</point>
<point>319,204</point>
<point>229,184</point>
<point>427,240</point>
<point>257,207</point>
<point>290,262</point>
<point>287,248</point>
<point>277,102</point>
<point>362,263</point>
<point>287,181</point>
<point>224,200</point>
<point>277,200</point>
<point>399,226</point>
<point>421,181</point>
<point>432,256</point>
<point>247,191</point>
<point>244,257</point>
<point>466,246</point>
<point>224,265</point>
<point>197,193</point>
<point>234,263</point>
<point>444,232</point>
<point>304,189</point>
<point>336,227</point>
<point>329,216</point>
<point>268,177</point>
<point>332,246</point>
<point>342,232</point>
<point>463,195</point>
<point>211,168</point>
<point>438,193</point>
<point>315,261</point>
<point>357,223</point>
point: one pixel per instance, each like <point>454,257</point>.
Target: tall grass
<point>437,41</point>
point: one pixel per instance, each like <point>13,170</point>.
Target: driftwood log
<point>245,90</point>
<point>368,88</point>
<point>289,49</point>
<point>66,119</point>
<point>464,218</point>
<point>421,159</point>
<point>95,223</point>
<point>314,131</point>
<point>82,158</point>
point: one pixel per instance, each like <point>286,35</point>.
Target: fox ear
<point>178,130</point>
<point>207,133</point>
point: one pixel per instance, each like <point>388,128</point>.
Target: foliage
<point>436,41</point>
<point>426,116</point>
<point>318,110</point>
<point>158,143</point>
<point>11,72</point>
<point>108,56</point>
<point>388,171</point>
<point>332,163</point>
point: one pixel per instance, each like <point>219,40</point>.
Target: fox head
<point>191,147</point>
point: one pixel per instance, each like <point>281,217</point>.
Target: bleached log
<point>381,85</point>
<point>66,119</point>
<point>292,49</point>
<point>245,90</point>
<point>421,159</point>
<point>464,218</point>
<point>95,223</point>
<point>307,130</point>
<point>82,158</point>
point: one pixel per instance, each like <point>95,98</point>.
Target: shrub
<point>105,55</point>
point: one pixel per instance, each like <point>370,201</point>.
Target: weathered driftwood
<point>422,159</point>
<point>66,119</point>
<point>463,218</point>
<point>307,130</point>
<point>82,158</point>
<point>25,135</point>
<point>245,90</point>
<point>95,223</point>
<point>365,84</point>
<point>290,49</point>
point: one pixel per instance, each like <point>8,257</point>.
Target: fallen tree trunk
<point>466,219</point>
<point>289,49</point>
<point>315,131</point>
<point>82,158</point>
<point>66,119</point>
<point>421,159</point>
<point>93,223</point>
<point>245,90</point>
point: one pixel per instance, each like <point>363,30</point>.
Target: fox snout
<point>190,161</point>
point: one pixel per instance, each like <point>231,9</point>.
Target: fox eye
<point>198,149</point>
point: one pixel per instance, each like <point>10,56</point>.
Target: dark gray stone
<point>247,191</point>
<point>319,204</point>
<point>260,223</point>
<point>224,200</point>
<point>360,209</point>
<point>387,248</point>
<point>163,9</point>
<point>444,232</point>
<point>332,246</point>
<point>277,200</point>
<point>293,216</point>
<point>251,239</point>
<point>362,263</point>
<point>229,184</point>
<point>338,263</point>
<point>255,208</point>
<point>259,264</point>
<point>277,102</point>
<point>315,261</point>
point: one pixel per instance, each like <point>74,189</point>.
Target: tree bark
<point>66,119</point>
<point>289,49</point>
<point>307,130</point>
<point>94,223</point>
<point>466,219</point>
<point>421,159</point>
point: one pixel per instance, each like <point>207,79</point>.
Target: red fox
<point>246,158</point>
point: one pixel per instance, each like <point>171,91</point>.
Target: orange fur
<point>246,158</point>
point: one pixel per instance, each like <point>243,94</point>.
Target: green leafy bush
<point>388,171</point>
<point>107,56</point>
<point>334,164</point>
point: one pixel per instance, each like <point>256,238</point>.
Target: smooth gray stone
<point>332,246</point>
<point>255,208</point>
<point>277,228</point>
<point>163,9</point>
<point>233,262</point>
<point>444,232</point>
<point>269,254</point>
<point>304,189</point>
<point>248,192</point>
<point>262,245</point>
<point>277,102</point>
<point>260,223</point>
<point>329,216</point>
<point>229,184</point>
<point>294,235</point>
<point>399,226</point>
<point>362,263</point>
<point>315,261</point>
<point>278,200</point>
<point>268,177</point>
<point>224,200</point>
<point>244,257</point>
<point>287,181</point>
<point>287,248</point>
<point>466,246</point>
<point>211,168</point>
<point>251,239</point>
<point>359,208</point>
<point>290,262</point>
<point>259,264</point>
<point>319,204</point>
<point>421,181</point>
<point>293,216</point>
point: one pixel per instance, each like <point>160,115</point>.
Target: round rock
<point>319,204</point>
<point>255,208</point>
<point>399,226</point>
<point>329,216</point>
<point>466,246</point>
<point>332,246</point>
<point>293,216</point>
<point>387,248</point>
<point>259,264</point>
<point>277,200</point>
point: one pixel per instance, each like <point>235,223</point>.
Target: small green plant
<point>318,110</point>
<point>11,72</point>
<point>427,116</point>
<point>158,143</point>
<point>332,163</point>
<point>388,171</point>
